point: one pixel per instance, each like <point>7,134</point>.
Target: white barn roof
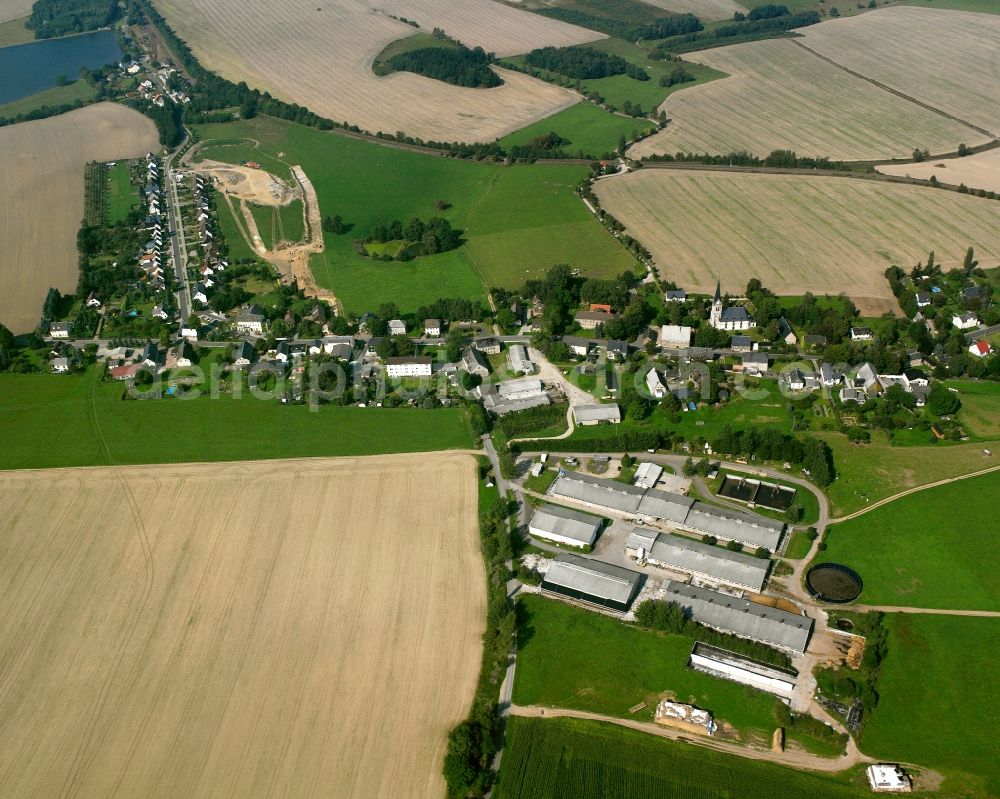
<point>565,523</point>
<point>647,475</point>
<point>597,413</point>
<point>748,528</point>
<point>742,617</point>
<point>719,564</point>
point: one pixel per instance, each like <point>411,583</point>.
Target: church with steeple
<point>734,317</point>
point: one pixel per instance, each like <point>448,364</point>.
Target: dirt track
<point>287,628</point>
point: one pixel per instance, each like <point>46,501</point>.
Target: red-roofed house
<point>125,372</point>
<point>600,306</point>
<point>981,348</point>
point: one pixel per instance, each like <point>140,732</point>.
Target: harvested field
<point>14,9</point>
<point>890,46</point>
<point>322,58</point>
<point>796,233</point>
<point>254,629</point>
<point>42,196</point>
<point>780,96</point>
<point>979,171</point>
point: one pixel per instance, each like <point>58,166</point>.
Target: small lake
<point>27,69</point>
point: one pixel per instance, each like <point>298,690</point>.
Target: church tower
<point>716,318</point>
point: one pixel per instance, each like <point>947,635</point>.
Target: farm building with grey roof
<point>592,581</point>
<point>565,526</point>
<point>682,512</point>
<point>742,617</point>
<point>702,561</point>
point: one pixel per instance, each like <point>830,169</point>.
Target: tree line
<point>742,30</point>
<point>424,238</point>
<point>458,66</point>
<point>776,159</point>
<point>50,18</point>
<point>584,63</point>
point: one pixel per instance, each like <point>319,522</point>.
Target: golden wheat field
<point>949,60</point>
<point>979,171</point>
<point>14,9</point>
<point>796,233</point>
<point>320,55</point>
<point>41,195</point>
<point>303,628</point>
<point>780,96</point>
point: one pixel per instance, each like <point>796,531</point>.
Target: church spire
<point>718,291</point>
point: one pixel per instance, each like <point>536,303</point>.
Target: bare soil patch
<point>289,628</point>
<point>321,55</point>
<point>41,194</point>
<point>797,233</point>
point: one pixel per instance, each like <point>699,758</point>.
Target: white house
<point>159,313</point>
<point>755,363</point>
<point>413,366</point>
<point>735,317</point>
<point>923,299</point>
<point>397,327</point>
<point>965,321</point>
<point>250,323</point>
<point>786,332</point>
<point>190,333</point>
<point>59,365</point>
<point>888,778</point>
<point>674,337</point>
<point>198,293</point>
<point>60,329</point>
<point>861,334</point>
<point>675,295</point>
<point>654,385</point>
<point>243,355</point>
<point>980,348</point>
<point>432,328</point>
<point>578,345</point>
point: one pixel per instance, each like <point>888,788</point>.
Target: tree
<point>942,402</point>
<point>689,467</point>
<point>817,458</point>
<point>734,546</point>
<point>970,262</point>
<point>711,540</point>
<point>50,308</point>
<point>627,460</point>
<point>8,347</point>
<point>462,761</point>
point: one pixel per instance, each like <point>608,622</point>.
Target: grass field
<point>569,657</point>
<point>322,59</point>
<point>590,130</point>
<point>888,46</point>
<point>42,193</point>
<point>518,221</point>
<point>57,95</point>
<point>869,472</point>
<point>980,412</point>
<point>797,233</point>
<point>232,230</point>
<point>204,429</point>
<point>934,691</point>
<point>577,759</point>
<point>926,550</point>
<point>244,630</point>
<point>122,195</point>
<point>811,106</point>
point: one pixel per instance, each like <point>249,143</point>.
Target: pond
<point>27,69</point>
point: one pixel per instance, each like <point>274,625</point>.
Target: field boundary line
<point>985,614</point>
<point>914,490</point>
<point>884,87</point>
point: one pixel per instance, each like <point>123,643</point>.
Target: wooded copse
<point>459,66</point>
<point>585,63</point>
<point>419,237</point>
<point>50,18</point>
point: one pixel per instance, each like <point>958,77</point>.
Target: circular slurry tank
<point>832,582</point>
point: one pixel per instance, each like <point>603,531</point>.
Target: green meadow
<point>204,429</point>
<point>589,130</point>
<point>932,549</point>
<point>518,220</point>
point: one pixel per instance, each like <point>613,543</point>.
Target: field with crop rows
<point>14,9</point>
<point>41,195</point>
<point>796,233</point>
<point>238,630</point>
<point>706,10</point>
<point>979,171</point>
<point>321,57</point>
<point>780,96</point>
<point>575,759</point>
<point>890,46</point>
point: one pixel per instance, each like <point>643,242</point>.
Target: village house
<point>432,328</point>
<point>243,355</point>
<point>654,385</point>
<point>589,320</point>
<point>923,299</point>
<point>674,337</point>
<point>755,363</point>
<point>578,345</point>
<point>250,321</point>
<point>397,327</point>
<point>474,363</point>
<point>60,329</point>
<point>59,366</point>
<point>965,321</point>
<point>741,344</point>
<point>980,348</point>
<point>786,333</point>
<point>861,334</point>
<point>617,350</point>
<point>488,344</point>
<point>412,366</point>
<point>675,295</point>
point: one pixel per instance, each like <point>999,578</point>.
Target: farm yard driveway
<point>813,104</point>
<point>321,57</point>
<point>298,628</point>
<point>797,233</point>
<point>41,194</point>
<point>979,171</point>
